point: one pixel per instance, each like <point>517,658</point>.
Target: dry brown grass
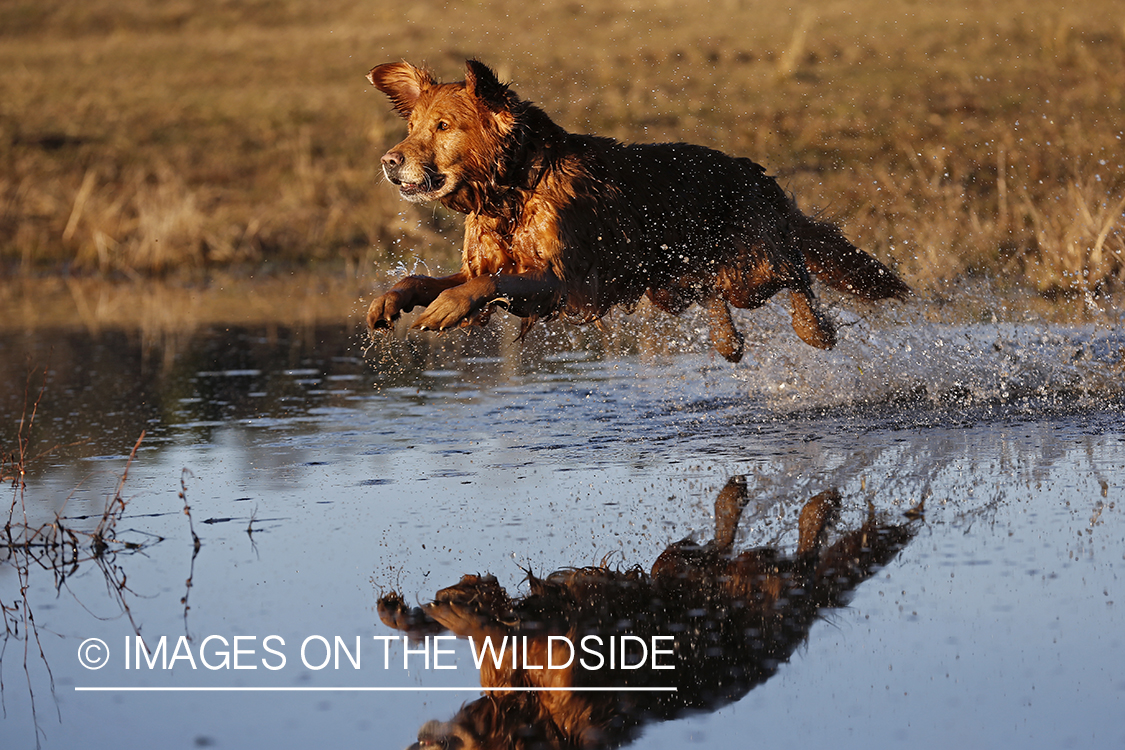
<point>953,140</point>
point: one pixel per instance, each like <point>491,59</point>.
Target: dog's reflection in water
<point>734,619</point>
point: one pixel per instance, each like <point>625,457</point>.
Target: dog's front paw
<point>451,309</point>
<point>384,311</point>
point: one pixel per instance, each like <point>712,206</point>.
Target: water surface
<point>322,474</point>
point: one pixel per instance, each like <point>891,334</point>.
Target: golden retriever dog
<point>733,619</point>
<point>560,224</point>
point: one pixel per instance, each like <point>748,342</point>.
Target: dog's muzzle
<point>418,181</point>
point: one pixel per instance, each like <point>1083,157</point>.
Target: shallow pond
<point>968,593</point>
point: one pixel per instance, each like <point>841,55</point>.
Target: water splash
<point>1032,367</point>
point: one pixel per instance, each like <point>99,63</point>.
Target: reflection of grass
<point>59,546</point>
<point>157,307</point>
<point>954,141</point>
<point>56,544</point>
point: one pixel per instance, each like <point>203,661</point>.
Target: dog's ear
<point>402,83</point>
<point>483,84</point>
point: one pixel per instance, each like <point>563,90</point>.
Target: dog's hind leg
<point>724,336</point>
<point>810,323</point>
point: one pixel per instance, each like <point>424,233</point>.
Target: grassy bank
<point>952,140</point>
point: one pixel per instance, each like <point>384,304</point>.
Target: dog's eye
<point>442,125</point>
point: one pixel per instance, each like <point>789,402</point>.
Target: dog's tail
<point>842,265</point>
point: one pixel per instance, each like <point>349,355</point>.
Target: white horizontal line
<point>78,689</point>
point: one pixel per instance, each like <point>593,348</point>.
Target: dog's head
<point>454,130</point>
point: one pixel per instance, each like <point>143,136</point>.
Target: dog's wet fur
<point>561,224</point>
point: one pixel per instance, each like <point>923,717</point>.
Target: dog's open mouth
<point>420,190</point>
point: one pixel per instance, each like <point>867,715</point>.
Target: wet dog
<point>560,224</point>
